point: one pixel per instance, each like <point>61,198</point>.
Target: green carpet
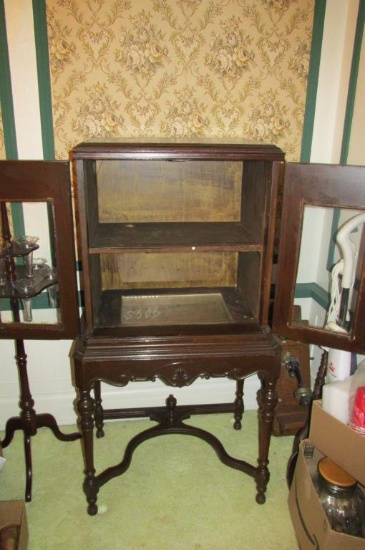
<point>176,494</point>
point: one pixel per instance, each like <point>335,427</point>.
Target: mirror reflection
<point>28,270</point>
<point>329,269</point>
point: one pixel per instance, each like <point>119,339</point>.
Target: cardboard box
<point>13,513</point>
<point>337,441</point>
<point>311,526</point>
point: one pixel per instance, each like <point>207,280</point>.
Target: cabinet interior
<point>175,241</point>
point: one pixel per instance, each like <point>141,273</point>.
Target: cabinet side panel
<point>95,282</point>
<point>91,196</point>
<point>80,170</point>
<point>254,196</point>
<point>249,281</point>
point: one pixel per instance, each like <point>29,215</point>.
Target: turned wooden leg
<point>99,412</point>
<point>27,421</point>
<point>267,400</point>
<point>46,420</point>
<point>238,405</point>
<point>28,467</point>
<point>85,407</point>
<point>13,424</point>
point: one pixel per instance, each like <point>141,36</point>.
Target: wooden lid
<point>332,473</point>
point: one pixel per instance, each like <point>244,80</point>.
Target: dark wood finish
<point>320,185</point>
<point>29,421</point>
<point>35,181</point>
<point>174,236</point>
<point>177,362</point>
<point>253,233</point>
<point>144,256</point>
<point>164,149</point>
<point>315,185</point>
<point>48,182</point>
<point>331,186</point>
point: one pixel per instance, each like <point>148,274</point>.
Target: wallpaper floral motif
<point>183,68</point>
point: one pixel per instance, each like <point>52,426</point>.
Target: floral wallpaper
<point>183,68</point>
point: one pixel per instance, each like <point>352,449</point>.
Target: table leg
<point>238,405</point>
<point>29,421</point>
<point>99,412</point>
<point>267,400</point>
<point>28,467</point>
<point>86,408</point>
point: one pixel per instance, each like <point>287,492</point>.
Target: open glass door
<point>321,257</point>
<point>38,292</point>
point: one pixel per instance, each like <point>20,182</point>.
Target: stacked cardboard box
<point>328,437</point>
<point>13,524</point>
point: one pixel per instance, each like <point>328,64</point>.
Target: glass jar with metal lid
<point>341,498</point>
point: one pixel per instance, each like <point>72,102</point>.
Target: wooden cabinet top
<point>164,148</point>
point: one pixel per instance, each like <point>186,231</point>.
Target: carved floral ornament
<point>185,68</point>
<point>173,374</point>
<point>177,374</point>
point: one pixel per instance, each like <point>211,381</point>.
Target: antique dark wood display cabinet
<point>177,244</point>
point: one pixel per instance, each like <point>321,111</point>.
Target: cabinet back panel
<point>166,270</point>
<point>165,191</point>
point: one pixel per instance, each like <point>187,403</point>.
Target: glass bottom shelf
<point>174,307</point>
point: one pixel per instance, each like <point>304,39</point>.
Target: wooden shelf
<point>234,236</point>
<point>185,307</point>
